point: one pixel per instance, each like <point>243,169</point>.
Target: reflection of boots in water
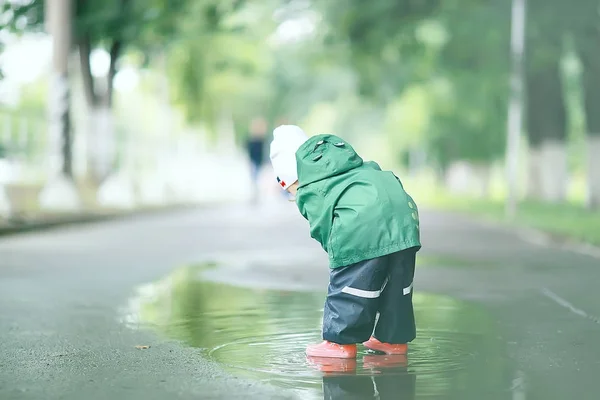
<point>391,379</point>
<point>385,361</point>
<point>339,379</point>
<point>333,365</point>
<point>356,387</point>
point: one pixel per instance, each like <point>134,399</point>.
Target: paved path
<point>61,292</point>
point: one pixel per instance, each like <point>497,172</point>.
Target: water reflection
<point>390,378</point>
<point>262,334</point>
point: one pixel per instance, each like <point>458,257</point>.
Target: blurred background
<point>486,107</point>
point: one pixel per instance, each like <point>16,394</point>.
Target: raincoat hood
<point>325,156</point>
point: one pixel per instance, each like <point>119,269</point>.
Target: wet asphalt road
<point>63,292</point>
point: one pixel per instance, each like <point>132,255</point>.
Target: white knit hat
<point>287,139</point>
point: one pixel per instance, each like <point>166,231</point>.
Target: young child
<point>369,226</point>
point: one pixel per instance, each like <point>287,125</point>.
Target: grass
<point>568,220</point>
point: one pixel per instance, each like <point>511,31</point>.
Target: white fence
<point>149,169</point>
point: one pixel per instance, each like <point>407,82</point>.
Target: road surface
<point>67,330</point>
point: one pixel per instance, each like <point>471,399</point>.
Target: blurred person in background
<point>255,146</point>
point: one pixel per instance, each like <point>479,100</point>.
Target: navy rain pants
<point>374,293</point>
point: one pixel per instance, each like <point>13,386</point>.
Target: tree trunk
<point>5,204</point>
<point>485,175</point>
<point>555,174</point>
<point>593,172</point>
<point>60,123</point>
<point>100,142</point>
<point>60,96</point>
<point>459,177</point>
<point>100,135</point>
<point>59,192</point>
<point>546,121</point>
<point>587,38</point>
<point>85,49</point>
<point>515,104</point>
<point>115,53</point>
<point>534,172</point>
<point>535,128</point>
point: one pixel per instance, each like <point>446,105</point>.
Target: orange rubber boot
<point>331,350</point>
<point>387,348</point>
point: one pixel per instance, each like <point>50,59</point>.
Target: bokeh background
<point>486,107</point>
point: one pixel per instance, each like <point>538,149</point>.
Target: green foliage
<point>302,76</point>
<point>219,64</point>
<point>377,37</point>
<point>20,16</point>
<point>134,21</point>
<point>408,117</point>
<point>431,75</point>
<point>440,69</point>
<point>32,99</point>
<point>470,125</point>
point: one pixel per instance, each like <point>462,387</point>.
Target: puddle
<point>262,334</point>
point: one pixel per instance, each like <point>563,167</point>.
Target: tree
<point>377,37</point>
<point>219,62</point>
<point>117,26</point>
<point>546,112</point>
<point>585,29</point>
<point>399,47</point>
<point>470,124</point>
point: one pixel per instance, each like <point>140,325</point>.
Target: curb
<point>533,235</point>
<point>87,218</point>
<point>542,238</point>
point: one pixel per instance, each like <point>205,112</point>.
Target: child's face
<point>293,188</point>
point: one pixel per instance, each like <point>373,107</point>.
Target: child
<point>369,226</point>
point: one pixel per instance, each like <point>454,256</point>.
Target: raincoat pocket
<point>333,237</point>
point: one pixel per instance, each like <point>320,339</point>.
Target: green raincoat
<point>355,210</point>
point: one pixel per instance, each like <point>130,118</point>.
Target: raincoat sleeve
<point>319,217</point>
